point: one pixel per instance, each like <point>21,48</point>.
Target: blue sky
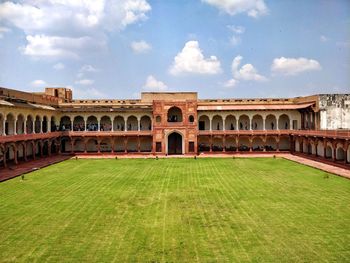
<point>231,48</point>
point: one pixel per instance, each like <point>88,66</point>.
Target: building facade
<point>33,125</point>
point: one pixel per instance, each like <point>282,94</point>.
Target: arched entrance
<point>174,143</point>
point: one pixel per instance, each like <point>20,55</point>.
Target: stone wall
<point>334,111</point>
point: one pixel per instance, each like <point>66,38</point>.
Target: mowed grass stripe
<point>175,210</point>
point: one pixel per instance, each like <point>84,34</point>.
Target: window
<point>174,114</point>
<point>158,119</point>
<point>191,118</point>
<point>201,125</point>
<point>158,146</point>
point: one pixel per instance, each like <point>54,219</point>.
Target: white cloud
<point>235,40</point>
<point>65,28</point>
<point>253,8</point>
<point>85,82</point>
<point>59,66</point>
<point>57,47</point>
<point>140,46</point>
<point>246,73</point>
<point>236,29</point>
<point>38,83</point>
<point>86,68</point>
<point>323,38</point>
<point>87,93</point>
<point>152,84</point>
<point>191,60</point>
<point>3,30</point>
<point>294,66</point>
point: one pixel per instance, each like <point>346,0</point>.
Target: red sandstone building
<point>33,125</point>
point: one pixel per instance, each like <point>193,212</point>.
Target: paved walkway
<point>320,165</point>
<point>29,166</point>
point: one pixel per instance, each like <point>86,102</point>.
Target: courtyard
<point>175,210</point>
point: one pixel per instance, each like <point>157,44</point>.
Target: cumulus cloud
<point>39,83</point>
<point>84,82</point>
<point>152,84</point>
<point>54,46</point>
<point>253,8</point>
<point>294,66</point>
<point>3,30</point>
<point>59,66</point>
<point>84,22</point>
<point>246,73</point>
<point>140,46</point>
<point>192,60</point>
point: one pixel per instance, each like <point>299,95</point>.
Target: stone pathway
<point>29,166</point>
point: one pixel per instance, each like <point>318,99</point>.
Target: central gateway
<point>174,121</point>
<point>175,143</point>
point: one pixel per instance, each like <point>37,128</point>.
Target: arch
<point>65,144</point>
<point>270,122</point>
<point>284,122</point>
<point>30,150</point>
<point>146,144</point>
<point>53,147</point>
<point>243,144</point>
<point>92,123</point>
<point>217,123</point>
<point>132,123</point>
<point>204,144</point>
<point>53,124</point>
<point>271,144</point>
<point>10,124</point>
<point>10,154</point>
<point>106,145</point>
<point>174,114</point>
<point>243,122</point>
<point>158,119</point>
<point>20,124</point>
<point>21,151</point>
<point>203,123</point>
<point>257,122</point>
<point>65,123</point>
<point>37,124</point>
<point>284,143</point>
<point>218,144</point>
<point>78,123</point>
<point>44,124</point>
<point>119,145</point>
<point>37,148</point>
<point>132,144</point>
<point>320,148</point>
<point>175,143</point>
<point>297,145</point>
<point>30,124</point>
<point>91,145</point>
<point>106,123</point>
<point>258,144</point>
<point>230,123</point>
<point>329,151</point>
<point>46,148</point>
<point>190,119</point>
<point>340,153</point>
<point>118,123</point>
<point>145,123</point>
<point>79,145</point>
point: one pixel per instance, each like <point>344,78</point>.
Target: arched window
<point>191,118</point>
<point>174,114</point>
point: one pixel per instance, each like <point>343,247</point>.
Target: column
<point>125,144</point>
<point>84,125</point>
<point>41,126</point>
<point>236,124</point>
<point>99,124</point>
<point>211,144</point>
<point>277,122</point>
<point>125,122</point>
<point>4,128</point>
<point>98,144</point>
<point>25,127</point>
<point>15,155</point>
<point>334,153</point>
<point>278,144</point>
<point>71,125</point>
<point>138,125</point>
<point>345,156</point>
<point>138,144</point>
<point>291,124</point>
<point>210,124</point>
<point>15,127</point>
<point>250,144</point>
<point>302,121</point>
<point>33,126</point>
<point>223,123</point>
<point>264,121</point>
<point>49,149</point>
<point>48,126</point>
<point>250,123</point>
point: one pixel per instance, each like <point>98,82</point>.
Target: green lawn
<point>175,210</point>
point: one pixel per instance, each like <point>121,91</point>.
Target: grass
<point>175,210</point>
